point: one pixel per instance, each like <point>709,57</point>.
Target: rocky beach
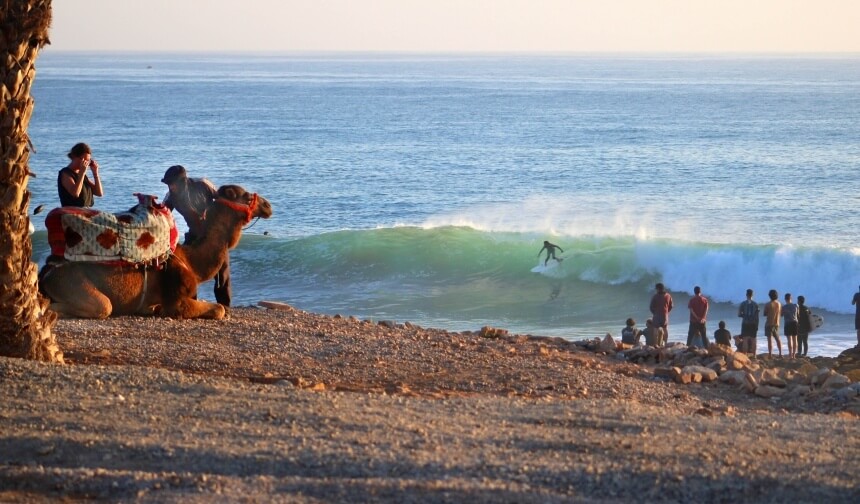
<point>275,404</point>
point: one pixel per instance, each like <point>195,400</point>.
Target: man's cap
<point>173,173</point>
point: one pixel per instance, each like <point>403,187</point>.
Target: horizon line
<point>455,52</point>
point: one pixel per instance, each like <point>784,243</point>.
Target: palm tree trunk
<point>25,323</point>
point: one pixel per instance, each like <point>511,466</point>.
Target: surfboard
<point>816,320</point>
<point>551,265</point>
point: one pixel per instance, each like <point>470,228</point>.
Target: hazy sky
<point>788,26</point>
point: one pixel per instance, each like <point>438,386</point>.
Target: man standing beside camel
<point>190,197</point>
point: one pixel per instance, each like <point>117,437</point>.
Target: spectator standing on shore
<point>661,305</point>
<point>190,197</point>
<point>698,307</point>
<point>73,185</point>
<point>748,311</point>
<point>653,334</point>
<point>804,326</point>
<point>789,314</point>
<point>856,303</point>
<point>771,325</point>
<point>630,334</point>
<point>722,336</point>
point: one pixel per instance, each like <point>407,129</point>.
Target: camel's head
<point>252,204</point>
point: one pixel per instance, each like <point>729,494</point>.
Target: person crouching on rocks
<point>654,335</point>
<point>630,334</point>
<point>722,336</point>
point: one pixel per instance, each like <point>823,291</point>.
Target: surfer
<point>550,251</point>
<point>190,197</point>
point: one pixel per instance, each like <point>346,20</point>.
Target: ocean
<point>420,187</point>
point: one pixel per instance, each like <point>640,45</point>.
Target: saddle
<point>144,235</point>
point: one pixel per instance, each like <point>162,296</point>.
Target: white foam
<point>551,217</point>
<point>682,251</point>
<point>827,278</point>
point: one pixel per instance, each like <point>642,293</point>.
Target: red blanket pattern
<point>145,234</point>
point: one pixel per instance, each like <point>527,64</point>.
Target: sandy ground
<point>287,406</point>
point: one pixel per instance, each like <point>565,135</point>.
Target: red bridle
<point>248,209</point>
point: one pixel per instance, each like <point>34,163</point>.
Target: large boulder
<point>734,377</point>
<point>738,360</point>
<point>769,391</point>
<point>846,393</point>
<point>793,376</point>
<point>700,373</point>
<point>853,375</point>
<point>717,365</point>
<point>836,381</point>
<point>486,331</point>
<point>666,372</point>
<point>818,378</point>
<point>676,374</point>
<point>720,350</point>
<point>798,390</point>
<point>771,377</point>
<point>669,352</point>
<point>640,354</point>
<point>750,382</point>
<point>608,344</point>
<point>807,369</point>
<point>848,363</point>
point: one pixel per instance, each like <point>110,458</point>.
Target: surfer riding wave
<point>550,251</point>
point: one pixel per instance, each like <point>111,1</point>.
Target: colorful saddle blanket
<point>146,234</point>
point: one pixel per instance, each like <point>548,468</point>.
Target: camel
<point>93,290</point>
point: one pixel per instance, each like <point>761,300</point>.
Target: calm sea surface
<point>421,188</point>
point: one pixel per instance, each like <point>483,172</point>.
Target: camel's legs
<point>85,303</point>
<point>192,308</point>
<point>74,296</point>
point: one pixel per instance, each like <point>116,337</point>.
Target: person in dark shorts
<point>804,326</point>
<point>790,314</point>
<point>856,303</point>
<point>748,311</point>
